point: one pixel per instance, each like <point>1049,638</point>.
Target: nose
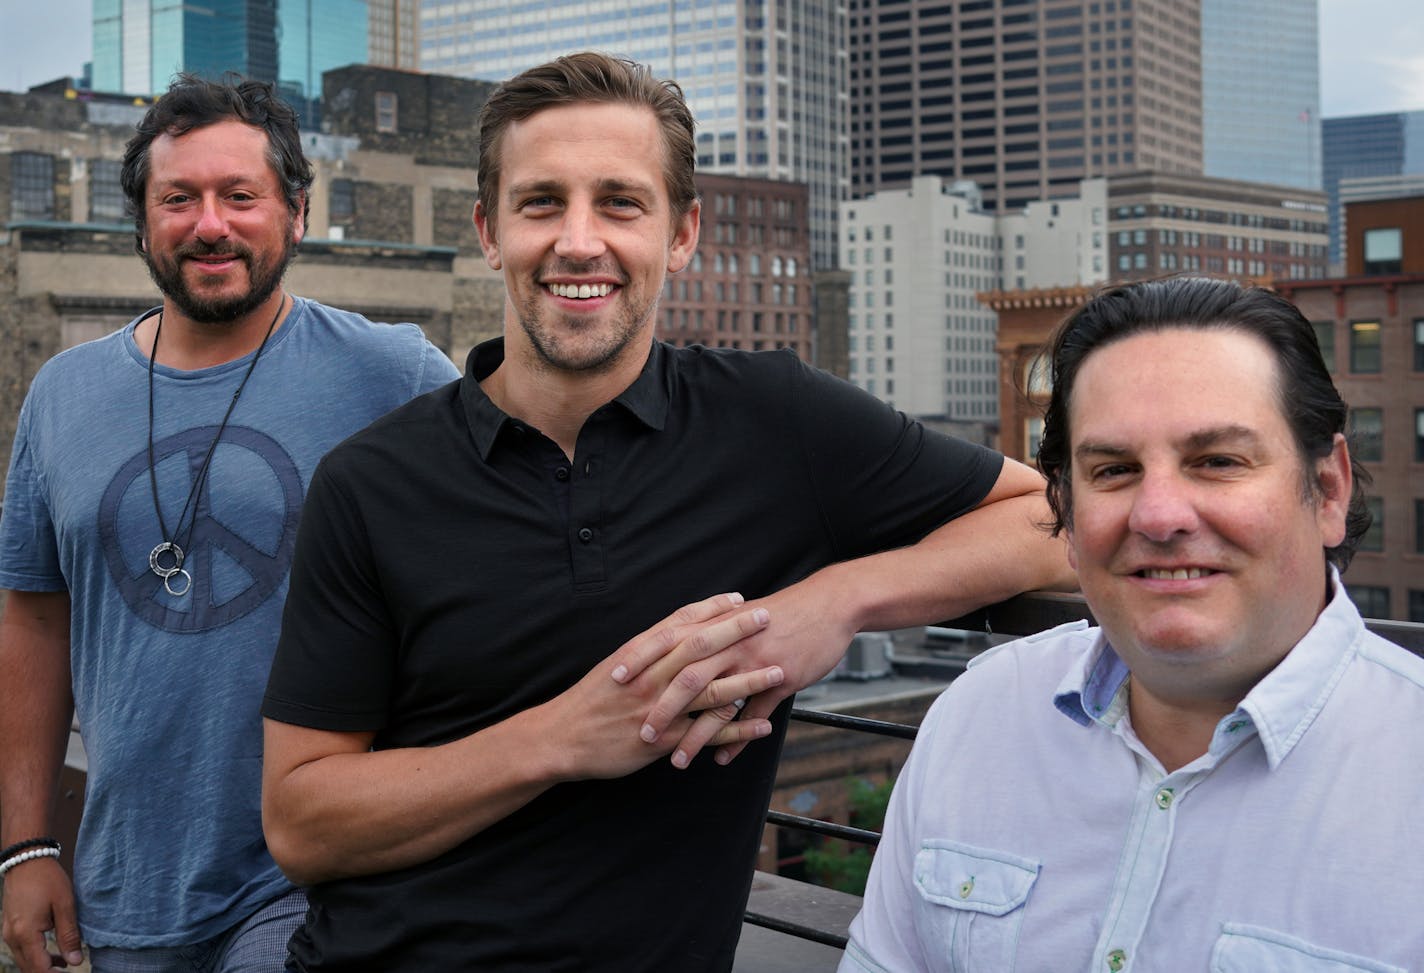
<point>1163,507</point>
<point>579,238</point>
<point>212,222</point>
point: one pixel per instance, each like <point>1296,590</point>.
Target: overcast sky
<point>1372,51</point>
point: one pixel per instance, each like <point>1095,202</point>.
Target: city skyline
<point>1372,52</point>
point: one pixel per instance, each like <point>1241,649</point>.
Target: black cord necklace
<point>169,547</point>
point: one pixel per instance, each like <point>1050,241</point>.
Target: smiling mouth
<point>1174,574</point>
<point>579,292</point>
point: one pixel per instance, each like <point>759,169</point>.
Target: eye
<point>537,203</point>
<point>1108,472</point>
<point>1220,462</point>
<point>176,199</point>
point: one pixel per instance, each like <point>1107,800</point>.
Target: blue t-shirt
<point>167,689</point>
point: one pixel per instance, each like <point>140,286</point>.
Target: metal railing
<point>1022,615</point>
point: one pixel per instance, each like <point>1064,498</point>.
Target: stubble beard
<point>577,344</point>
<point>264,277</point>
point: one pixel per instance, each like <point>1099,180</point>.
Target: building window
<point>1367,435</point>
<point>1419,344</point>
<point>341,201</point>
<point>1419,435</point>
<point>1033,437</point>
<point>1384,250</point>
<point>386,111</point>
<point>1365,347</point>
<point>1325,338</point>
<point>106,196</point>
<point>1374,536</point>
<point>1371,600</point>
<point>31,186</point>
<point>1419,526</point>
<point>1416,605</point>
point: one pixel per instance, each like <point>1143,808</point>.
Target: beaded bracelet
<point>20,846</point>
<point>25,856</point>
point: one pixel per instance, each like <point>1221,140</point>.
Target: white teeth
<point>580,291</point>
<point>1179,574</point>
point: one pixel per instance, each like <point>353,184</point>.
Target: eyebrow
<point>554,186</point>
<point>1194,442</point>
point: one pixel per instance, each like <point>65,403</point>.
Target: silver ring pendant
<point>180,592</point>
<point>155,559</point>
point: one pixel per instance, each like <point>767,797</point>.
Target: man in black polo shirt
<point>463,741</point>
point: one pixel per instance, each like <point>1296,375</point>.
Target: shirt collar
<point>647,399</point>
<point>1281,707</point>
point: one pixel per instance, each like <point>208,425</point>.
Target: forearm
<point>989,554</point>
<point>36,708</point>
<point>363,812</point>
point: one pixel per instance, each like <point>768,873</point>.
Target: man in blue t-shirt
<point>150,515</point>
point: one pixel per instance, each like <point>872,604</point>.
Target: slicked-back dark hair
<point>1308,398</point>
<point>590,76</point>
<point>193,102</point>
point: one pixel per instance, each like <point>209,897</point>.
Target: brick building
<point>1162,224</point>
<point>749,285</point>
<point>1371,329</point>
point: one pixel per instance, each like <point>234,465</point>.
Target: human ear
<point>1334,486</point>
<point>488,242</point>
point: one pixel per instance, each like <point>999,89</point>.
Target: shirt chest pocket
<point>1248,949</point>
<point>970,904</point>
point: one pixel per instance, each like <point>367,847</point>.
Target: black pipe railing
<point>1022,615</point>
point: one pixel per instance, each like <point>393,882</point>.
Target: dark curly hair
<point>1309,400</point>
<point>193,102</point>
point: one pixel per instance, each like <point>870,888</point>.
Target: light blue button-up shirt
<point>1032,830</point>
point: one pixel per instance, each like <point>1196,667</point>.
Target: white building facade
<point>919,337</point>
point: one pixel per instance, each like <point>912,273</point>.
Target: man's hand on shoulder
<point>39,899</point>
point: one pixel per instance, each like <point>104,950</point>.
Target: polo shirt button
<point>1164,798</point>
<point>1117,959</point>
<point>561,474</point>
<point>585,534</point>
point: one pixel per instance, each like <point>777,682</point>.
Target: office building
<point>1370,322</point>
<point>393,39</point>
<point>1161,224</point>
<point>1363,146</point>
<point>1261,91</point>
<point>749,283</point>
<point>919,336</point>
<point>765,81</point>
<point>140,44</point>
<point>316,36</point>
<point>1025,98</point>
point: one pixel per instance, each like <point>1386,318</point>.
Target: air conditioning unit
<point>867,658</point>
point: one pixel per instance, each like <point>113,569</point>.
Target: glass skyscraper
<point>1260,71</point>
<point>315,36</point>
<point>139,45</point>
<point>1356,146</point>
<point>765,78</point>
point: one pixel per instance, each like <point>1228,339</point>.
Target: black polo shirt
<point>454,568</point>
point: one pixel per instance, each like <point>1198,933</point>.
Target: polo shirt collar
<point>647,399</point>
<point>1281,707</point>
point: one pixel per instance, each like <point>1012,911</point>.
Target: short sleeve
<point>29,552</point>
<point>436,368</point>
<point>335,656</point>
<point>883,479</point>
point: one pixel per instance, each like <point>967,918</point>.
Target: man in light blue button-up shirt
<point>1229,774</point>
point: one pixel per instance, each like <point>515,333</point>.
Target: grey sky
<point>1372,51</point>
